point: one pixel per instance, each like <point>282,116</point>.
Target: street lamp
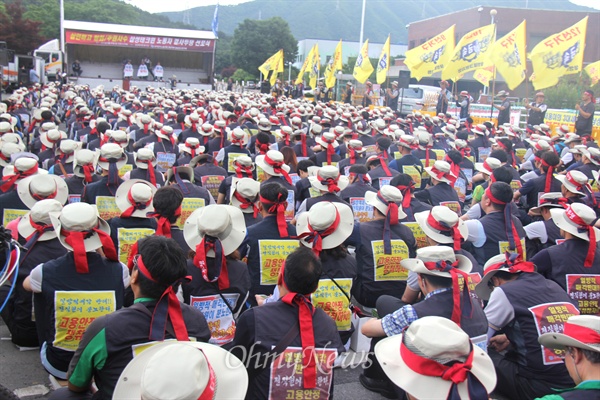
<point>493,13</point>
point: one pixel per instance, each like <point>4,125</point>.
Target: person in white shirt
<point>158,72</point>
<point>142,71</point>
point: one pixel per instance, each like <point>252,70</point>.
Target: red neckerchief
<point>278,208</point>
<point>245,203</point>
<point>9,181</point>
<point>514,242</point>
<point>262,148</point>
<point>307,337</point>
<point>549,173</point>
<point>150,174</point>
<point>452,269</point>
<point>75,239</point>
<point>278,168</point>
<point>171,138</point>
<point>316,237</point>
<point>163,225</point>
<point>442,227</point>
<point>212,243</point>
<point>134,206</point>
<point>454,169</point>
<point>167,307</point>
<point>391,218</point>
<point>582,227</point>
<point>242,171</point>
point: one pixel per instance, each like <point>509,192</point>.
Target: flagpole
<point>493,13</point>
<point>62,34</point>
<point>362,27</point>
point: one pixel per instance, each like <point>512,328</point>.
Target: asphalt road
<point>22,371</point>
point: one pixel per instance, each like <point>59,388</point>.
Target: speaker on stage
<point>403,79</point>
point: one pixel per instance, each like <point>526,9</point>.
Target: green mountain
<point>340,19</point>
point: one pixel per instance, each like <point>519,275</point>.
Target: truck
<point>15,68</point>
<point>53,59</point>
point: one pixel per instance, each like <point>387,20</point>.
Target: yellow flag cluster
<point>334,64</point>
<point>383,65</point>
<point>471,52</point>
<point>593,70</point>
<point>432,56</point>
<point>508,56</point>
<point>308,64</point>
<point>273,63</point>
<point>363,68</point>
<point>558,55</point>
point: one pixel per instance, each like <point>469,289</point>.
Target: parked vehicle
<point>417,97</point>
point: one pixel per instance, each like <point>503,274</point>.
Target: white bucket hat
<point>191,146</point>
<point>68,148</point>
<point>244,194</point>
<point>143,157</point>
<point>574,181</point>
<point>39,215</point>
<point>578,331</point>
<point>550,200</point>
<point>386,194</point>
<point>329,179</point>
<point>40,187</point>
<point>217,220</point>
<point>578,219</point>
<point>272,163</point>
<point>8,149</point>
<point>326,139</point>
<point>436,254</point>
<point>52,137</point>
<point>440,171</point>
<point>592,154</point>
<point>184,371</point>
<point>134,198</point>
<point>85,158</point>
<point>507,262</point>
<point>488,166</point>
<point>325,226</point>
<point>110,151</point>
<point>421,343</point>
<point>443,225</point>
<point>80,217</point>
<point>119,137</point>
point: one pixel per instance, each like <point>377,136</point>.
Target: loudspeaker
<point>403,79</point>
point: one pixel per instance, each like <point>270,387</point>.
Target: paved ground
<point>22,371</point>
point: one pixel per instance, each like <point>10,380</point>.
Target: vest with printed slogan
<point>357,189</point>
<point>272,322</point>
<point>210,300</point>
<point>22,309</point>
<point>532,297</point>
<point>236,150</point>
<point>70,301</point>
<point>440,305</point>
<point>495,232</point>
<point>125,336</point>
<point>374,277</point>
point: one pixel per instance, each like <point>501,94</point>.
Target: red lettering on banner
<point>562,37</point>
<point>507,43</point>
<point>432,42</point>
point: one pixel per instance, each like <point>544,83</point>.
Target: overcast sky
<point>154,6</point>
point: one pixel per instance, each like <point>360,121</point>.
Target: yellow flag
<point>334,64</point>
<point>273,63</point>
<point>559,54</point>
<point>383,65</point>
<point>363,68</point>
<point>471,52</point>
<point>484,75</point>
<point>509,57</point>
<point>432,56</point>
<point>315,64</point>
<point>305,65</point>
<point>593,70</point>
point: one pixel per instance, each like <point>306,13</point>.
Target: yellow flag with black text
<point>305,65</point>
<point>363,68</point>
<point>431,56</point>
<point>593,71</point>
<point>559,54</point>
<point>509,56</point>
<point>383,65</point>
<point>471,52</point>
<point>273,63</point>
<point>334,64</point>
<point>315,64</point>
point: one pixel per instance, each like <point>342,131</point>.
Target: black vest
<point>356,189</point>
<point>191,190</point>
<point>76,184</point>
<point>100,188</point>
<point>129,327</point>
<point>437,194</point>
<point>271,324</point>
<point>128,223</point>
<point>536,117</point>
<point>60,275</point>
<point>232,148</point>
<point>441,304</point>
<point>239,281</point>
<point>530,290</point>
<point>139,173</point>
<point>266,229</point>
<point>365,288</point>
<point>495,232</point>
<point>320,158</point>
